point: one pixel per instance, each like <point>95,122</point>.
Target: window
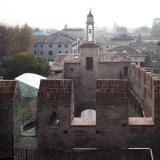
<point>65,132</point>
<point>141,64</point>
<point>89,63</point>
<point>144,93</point>
<point>125,71</point>
<point>35,46</point>
<point>35,52</point>
<point>90,33</point>
<point>155,70</point>
<point>50,53</point>
<point>144,78</point>
<point>98,132</point>
<point>66,51</point>
<point>54,119</point>
<point>50,46</point>
<point>58,71</point>
<point>41,45</point>
<point>71,69</point>
<point>59,51</point>
<point>59,46</point>
<point>66,45</point>
<point>41,52</point>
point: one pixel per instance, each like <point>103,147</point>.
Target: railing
<point>135,106</point>
<point>79,154</point>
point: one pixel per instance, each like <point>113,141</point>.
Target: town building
<point>48,47</point>
<point>152,63</point>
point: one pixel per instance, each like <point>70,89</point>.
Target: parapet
<point>110,88</point>
<point>7,89</point>
<point>58,89</point>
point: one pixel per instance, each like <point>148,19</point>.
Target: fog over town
<point>55,14</point>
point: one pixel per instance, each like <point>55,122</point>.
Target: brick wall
<point>112,128</point>
<point>56,90</point>
<point>111,88</point>
<point>156,86</point>
<point>112,102</point>
<point>8,101</point>
<point>55,101</point>
<point>141,83</point>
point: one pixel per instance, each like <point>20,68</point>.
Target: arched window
<point>88,113</point>
<point>88,118</point>
<point>54,120</point>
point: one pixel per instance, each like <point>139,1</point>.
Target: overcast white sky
<point>57,13</point>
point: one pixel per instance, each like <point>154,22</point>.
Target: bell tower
<point>90,27</point>
<point>88,73</point>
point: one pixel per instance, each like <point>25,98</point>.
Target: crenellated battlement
<point>55,89</point>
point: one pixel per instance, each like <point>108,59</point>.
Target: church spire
<point>90,14</point>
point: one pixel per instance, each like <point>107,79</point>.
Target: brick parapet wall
<point>7,90</point>
<point>109,89</point>
<point>156,84</point>
<point>142,84</point>
<point>111,128</point>
<point>55,90</point>
<point>55,103</point>
<point>8,101</point>
<point>111,102</point>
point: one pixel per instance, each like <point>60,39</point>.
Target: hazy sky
<point>57,13</point>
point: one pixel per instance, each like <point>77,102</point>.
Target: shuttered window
<point>89,63</point>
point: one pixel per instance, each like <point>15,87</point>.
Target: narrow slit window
<point>125,71</point>
<point>89,63</point>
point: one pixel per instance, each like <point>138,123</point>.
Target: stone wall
<point>112,70</point>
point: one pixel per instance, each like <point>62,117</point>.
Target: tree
<point>4,40</point>
<point>26,38</point>
<point>15,39</point>
<point>25,63</point>
<point>156,27</point>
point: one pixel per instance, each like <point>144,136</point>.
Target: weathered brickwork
<point>113,129</point>
<point>109,88</point>
<point>112,102</point>
<point>99,85</point>
<point>141,83</point>
<point>54,110</point>
<point>55,90</point>
<point>8,109</point>
<point>156,85</point>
